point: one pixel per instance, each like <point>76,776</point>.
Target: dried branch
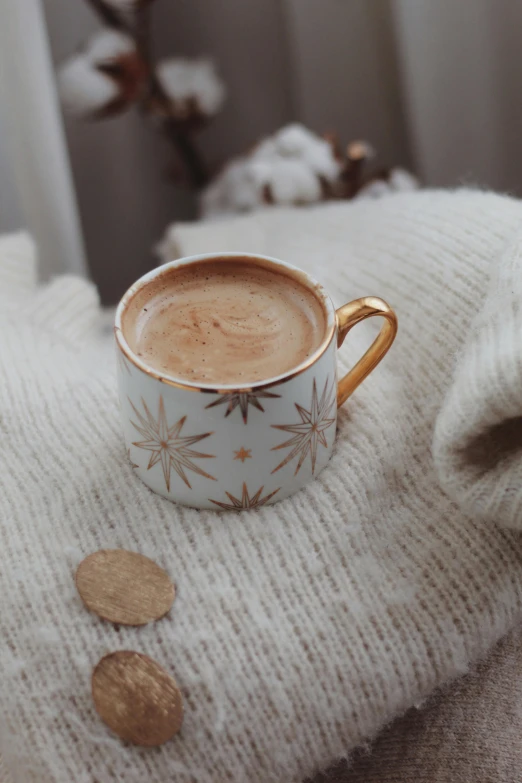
<point>189,154</point>
<point>141,32</point>
<point>358,153</point>
<point>108,15</point>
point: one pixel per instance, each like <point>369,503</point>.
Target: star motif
<point>236,504</point>
<point>243,400</point>
<point>167,445</point>
<point>309,433</point>
<point>243,454</point>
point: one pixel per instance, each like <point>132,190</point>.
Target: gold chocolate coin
<point>124,587</point>
<point>137,698</point>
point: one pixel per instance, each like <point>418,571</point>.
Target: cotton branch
<point>178,95</point>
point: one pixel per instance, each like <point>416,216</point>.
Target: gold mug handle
<point>348,316</point>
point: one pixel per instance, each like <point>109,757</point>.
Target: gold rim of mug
<point>312,284</point>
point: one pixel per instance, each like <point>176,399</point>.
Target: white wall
<point>461,64</point>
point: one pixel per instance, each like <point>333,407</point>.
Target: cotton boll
<point>105,78</point>
<point>266,150</point>
<point>234,190</point>
<point>244,184</point>
<point>83,89</point>
<point>259,173</point>
<point>294,139</point>
<point>298,142</point>
<point>295,142</point>
<point>290,181</point>
<point>231,191</point>
<point>208,87</point>
<point>191,86</point>
<point>241,189</point>
<point>322,161</point>
<point>108,45</point>
<point>285,168</point>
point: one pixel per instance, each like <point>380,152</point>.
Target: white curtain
<point>37,190</point>
<point>434,85</point>
<point>461,71</point>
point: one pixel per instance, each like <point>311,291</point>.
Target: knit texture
<point>300,629</point>
<point>478,438</point>
<point>466,733</point>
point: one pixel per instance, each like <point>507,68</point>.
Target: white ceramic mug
<point>235,448</point>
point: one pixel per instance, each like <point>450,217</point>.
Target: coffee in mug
<point>227,377</point>
<point>225,321</point>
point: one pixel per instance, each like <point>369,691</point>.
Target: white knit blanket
<point>299,629</point>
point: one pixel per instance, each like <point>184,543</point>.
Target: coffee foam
<point>224,321</point>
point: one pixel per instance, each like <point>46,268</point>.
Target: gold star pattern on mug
<point>243,454</point>
<point>310,431</point>
<point>242,400</point>
<point>245,501</point>
<point>167,445</point>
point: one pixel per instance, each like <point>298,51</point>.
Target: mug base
<point>245,500</point>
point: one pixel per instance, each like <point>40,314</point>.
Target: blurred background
<point>432,86</point>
